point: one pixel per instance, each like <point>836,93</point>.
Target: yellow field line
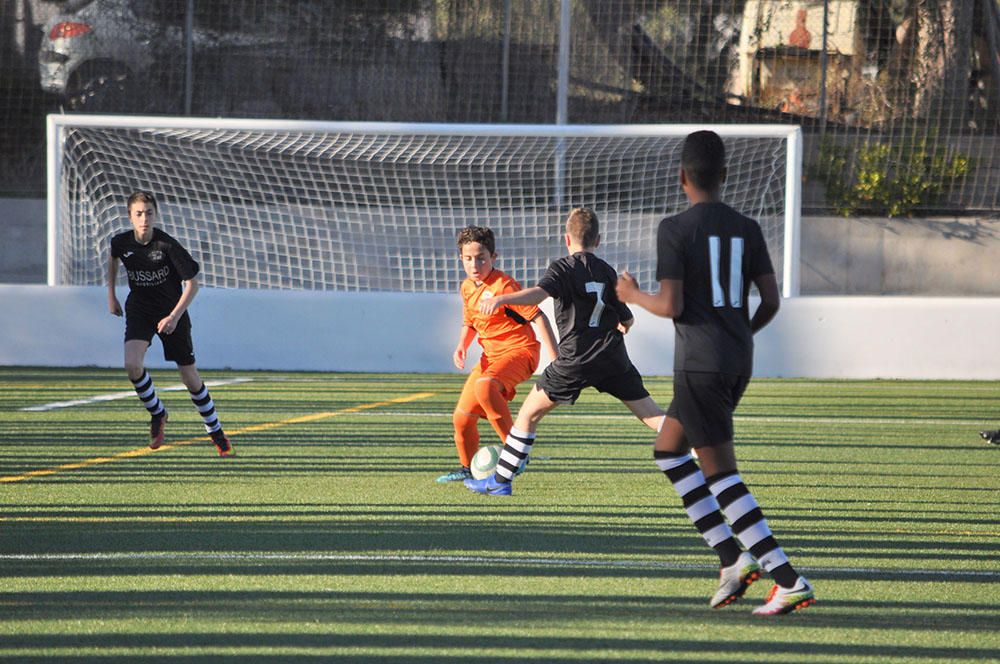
<point>141,451</point>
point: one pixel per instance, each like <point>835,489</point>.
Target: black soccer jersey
<point>155,271</point>
<point>587,309</point>
<point>718,253</point>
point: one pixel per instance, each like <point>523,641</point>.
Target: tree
<point>937,47</point>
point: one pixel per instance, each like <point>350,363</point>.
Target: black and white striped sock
<point>748,522</point>
<point>203,402</point>
<point>699,503</point>
<point>147,394</point>
<point>516,449</point>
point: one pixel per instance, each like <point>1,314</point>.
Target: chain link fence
<point>898,99</point>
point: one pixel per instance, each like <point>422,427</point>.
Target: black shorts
<point>177,347</point>
<point>562,382</point>
<point>704,404</point>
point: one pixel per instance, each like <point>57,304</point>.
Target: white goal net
<point>377,207</point>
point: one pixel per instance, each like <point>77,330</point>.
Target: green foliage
<point>887,178</point>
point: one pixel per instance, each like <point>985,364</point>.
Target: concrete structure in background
<point>871,256</point>
<point>23,240</point>
<point>813,337</point>
<point>854,256</point>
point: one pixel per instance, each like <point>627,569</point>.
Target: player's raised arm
<point>528,296</point>
<point>668,302</point>
<point>544,329</point>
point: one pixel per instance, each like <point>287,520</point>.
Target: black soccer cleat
<point>991,437</point>
<point>157,429</point>
<point>222,444</point>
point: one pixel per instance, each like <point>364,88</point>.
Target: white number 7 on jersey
<point>598,288</point>
<point>735,271</point>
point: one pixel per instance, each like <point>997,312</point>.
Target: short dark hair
<point>142,197</point>
<point>703,159</point>
<point>582,226</point>
<point>480,234</point>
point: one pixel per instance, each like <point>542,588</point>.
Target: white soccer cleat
<point>785,600</point>
<point>734,580</point>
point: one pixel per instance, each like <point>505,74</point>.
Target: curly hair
<point>480,234</point>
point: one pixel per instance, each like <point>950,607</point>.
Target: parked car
<point>130,55</point>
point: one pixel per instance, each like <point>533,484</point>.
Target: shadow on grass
<point>480,525</point>
<point>404,619</point>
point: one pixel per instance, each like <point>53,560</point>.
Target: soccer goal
<point>268,204</point>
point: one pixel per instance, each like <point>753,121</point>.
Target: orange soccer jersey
<point>507,329</point>
<point>510,355</point>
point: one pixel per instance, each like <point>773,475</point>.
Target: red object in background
<point>68,29</point>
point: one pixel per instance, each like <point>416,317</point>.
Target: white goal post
<point>356,206</point>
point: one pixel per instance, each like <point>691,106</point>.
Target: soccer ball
<point>485,461</point>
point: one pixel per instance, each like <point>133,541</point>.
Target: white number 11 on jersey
<point>735,271</point>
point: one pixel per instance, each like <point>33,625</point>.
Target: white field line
<point>114,396</point>
<point>142,451</point>
<point>269,556</point>
<point>764,419</point>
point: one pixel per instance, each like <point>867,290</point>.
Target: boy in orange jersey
<point>510,348</point>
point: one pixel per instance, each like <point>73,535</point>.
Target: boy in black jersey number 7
<point>591,351</point>
<point>707,256</point>
<point>162,279</point>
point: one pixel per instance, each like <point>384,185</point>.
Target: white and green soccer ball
<point>485,461</point>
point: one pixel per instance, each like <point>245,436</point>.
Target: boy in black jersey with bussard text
<point>707,257</point>
<point>162,279</point>
<point>591,351</point>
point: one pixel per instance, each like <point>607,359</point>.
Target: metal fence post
<point>505,63</point>
<point>188,56</point>
<point>562,100</point>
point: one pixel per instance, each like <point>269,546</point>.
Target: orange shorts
<point>510,369</point>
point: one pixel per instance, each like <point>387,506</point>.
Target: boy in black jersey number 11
<point>707,257</point>
<point>162,280</point>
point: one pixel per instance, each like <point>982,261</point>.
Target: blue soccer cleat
<point>489,486</point>
<point>455,476</point>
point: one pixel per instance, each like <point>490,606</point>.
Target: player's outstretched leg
<point>157,411</point>
<point>157,430</point>
<point>517,447</point>
<point>991,437</point>
<point>465,421</point>
<point>466,443</point>
<point>738,569</point>
<point>791,591</point>
<point>489,394</point>
<point>202,400</point>
<point>512,459</point>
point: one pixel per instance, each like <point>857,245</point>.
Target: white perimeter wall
<point>816,337</point>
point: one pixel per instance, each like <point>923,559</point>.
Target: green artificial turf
<point>328,538</point>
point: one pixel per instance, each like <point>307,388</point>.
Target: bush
<point>887,178</point>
